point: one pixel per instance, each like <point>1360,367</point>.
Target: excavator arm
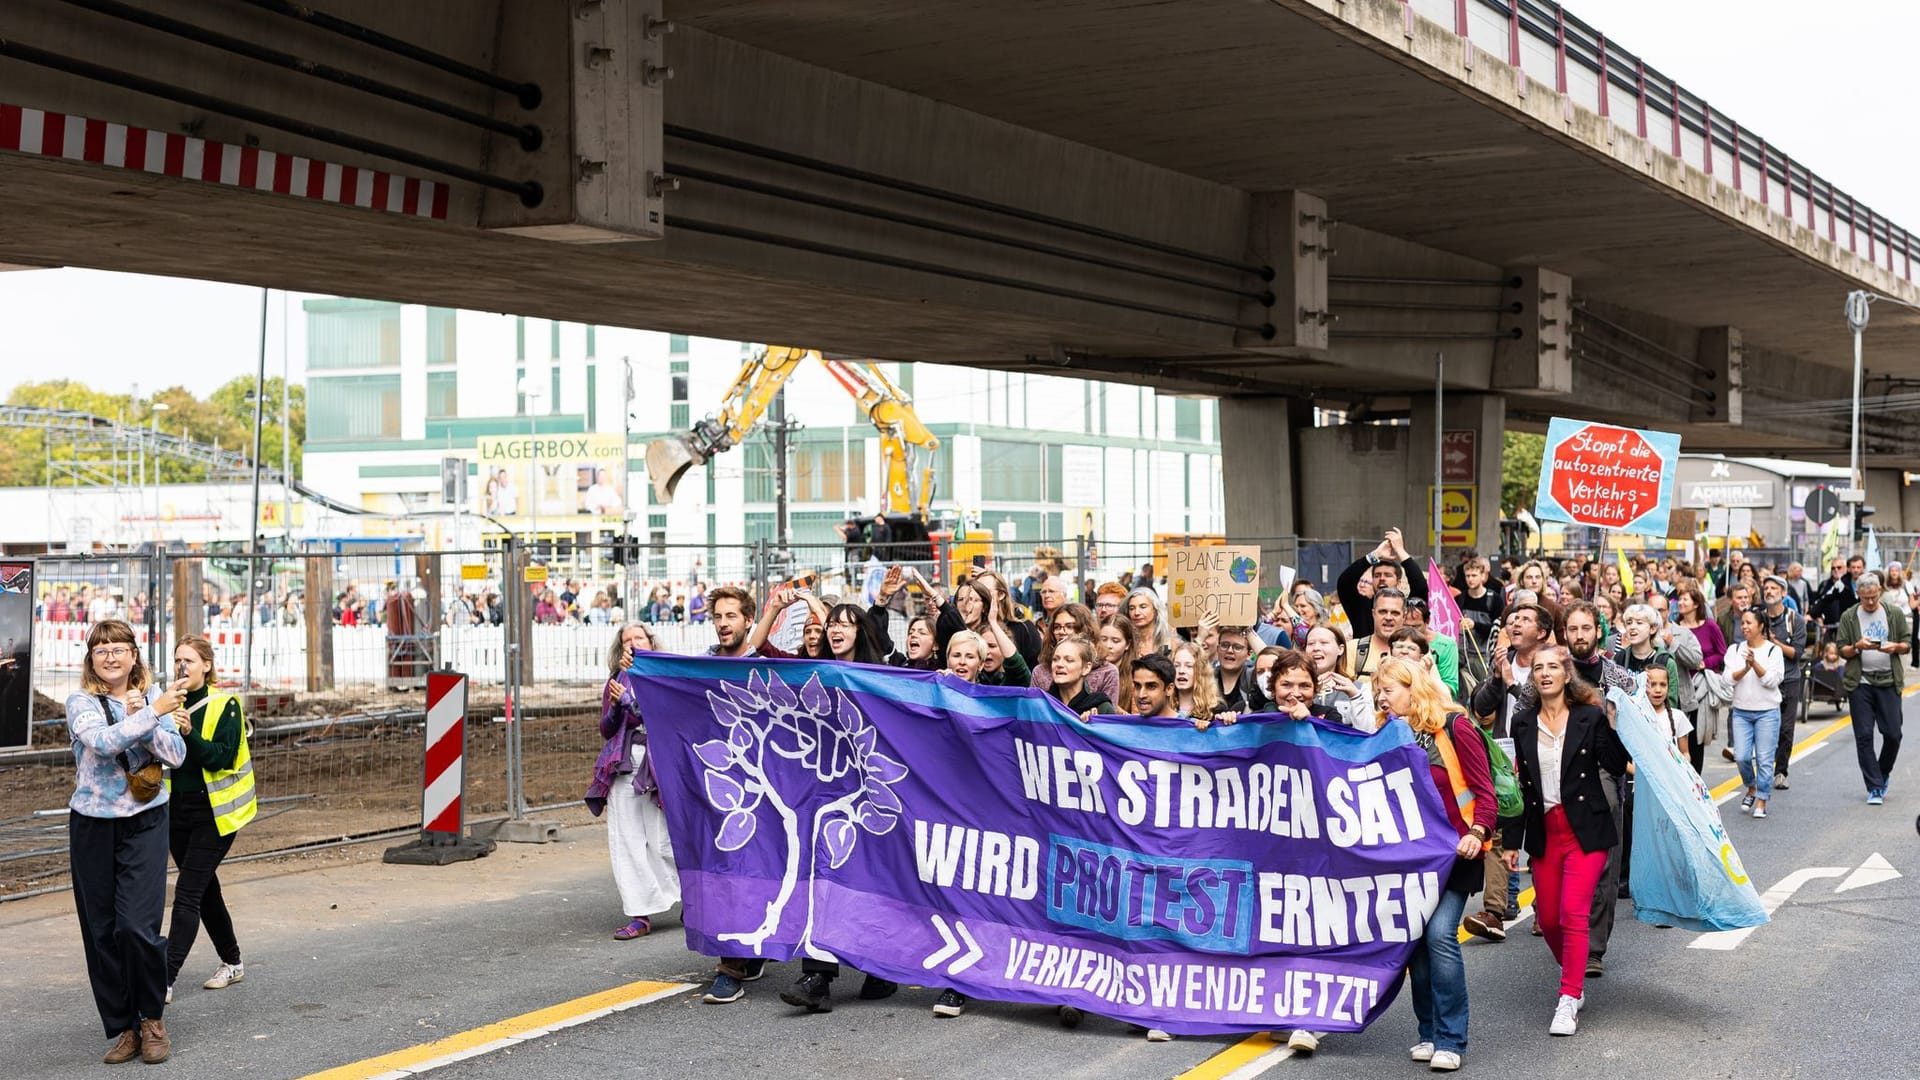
<point>906,446</point>
<point>746,402</point>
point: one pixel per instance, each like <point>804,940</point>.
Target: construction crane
<point>906,446</point>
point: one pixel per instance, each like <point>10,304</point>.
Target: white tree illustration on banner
<point>817,737</point>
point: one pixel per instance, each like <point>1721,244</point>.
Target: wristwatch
<point>1479,832</point>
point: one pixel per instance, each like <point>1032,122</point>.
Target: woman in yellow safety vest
<point>212,797</point>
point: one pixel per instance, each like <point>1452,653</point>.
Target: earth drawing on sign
<point>1243,570</point>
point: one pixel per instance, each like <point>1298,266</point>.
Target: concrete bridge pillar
<point>1258,463</point>
<point>1472,426</point>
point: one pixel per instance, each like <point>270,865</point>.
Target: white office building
<point>393,390</point>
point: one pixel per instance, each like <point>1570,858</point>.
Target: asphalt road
<point>356,960</point>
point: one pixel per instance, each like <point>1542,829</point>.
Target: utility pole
<point>781,500</point>
<point>1439,451</point>
<point>286,430</point>
<point>534,394</point>
<point>253,523</point>
<point>1858,310</point>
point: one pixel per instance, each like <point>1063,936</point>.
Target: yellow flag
<point>1626,570</point>
<point>1830,544</point>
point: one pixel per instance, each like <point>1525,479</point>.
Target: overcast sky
<point>1829,86</point>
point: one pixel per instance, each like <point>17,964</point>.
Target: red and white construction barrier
<point>443,781</point>
<point>166,153</point>
<point>442,808</point>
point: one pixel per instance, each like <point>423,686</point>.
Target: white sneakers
<point>226,976</point>
<point>1422,1051</point>
<point>1566,1015</point>
<point>1303,1041</point>
<point>1444,1061</point>
<point>1157,1035</point>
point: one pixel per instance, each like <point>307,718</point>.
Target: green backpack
<point>1506,784</point>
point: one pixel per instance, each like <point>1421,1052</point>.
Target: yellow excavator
<point>906,446</point>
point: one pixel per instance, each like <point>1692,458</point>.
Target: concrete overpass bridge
<point>1281,202</point>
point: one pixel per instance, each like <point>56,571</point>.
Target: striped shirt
<point>100,787</point>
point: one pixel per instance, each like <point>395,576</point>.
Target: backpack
<point>1506,785</point>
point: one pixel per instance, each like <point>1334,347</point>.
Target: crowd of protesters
<point>1724,652</point>
<point>1721,650</point>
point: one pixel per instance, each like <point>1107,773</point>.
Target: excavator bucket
<point>667,461</point>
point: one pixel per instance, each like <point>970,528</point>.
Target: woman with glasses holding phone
<point>117,833</point>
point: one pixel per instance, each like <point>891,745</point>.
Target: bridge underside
<point>850,176</point>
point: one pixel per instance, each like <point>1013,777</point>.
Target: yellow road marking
<point>511,1031</point>
<point>1247,1050</point>
<point>1235,1057</point>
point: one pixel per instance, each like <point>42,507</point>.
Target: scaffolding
<point>86,450</point>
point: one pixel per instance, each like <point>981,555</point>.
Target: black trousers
<point>1790,693</point>
<point>1626,829</point>
<point>1607,894</point>
<point>198,849</point>
<point>119,870</point>
<point>1876,707</point>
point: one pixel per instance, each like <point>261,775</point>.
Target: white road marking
<point>1724,940</point>
<point>1872,872</point>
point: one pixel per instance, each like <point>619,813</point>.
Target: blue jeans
<point>1756,732</point>
<point>1440,978</point>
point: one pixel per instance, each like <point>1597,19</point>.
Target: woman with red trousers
<point>1562,740</point>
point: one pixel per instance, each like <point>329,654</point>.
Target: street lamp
<point>533,392</point>
<point>1859,304</point>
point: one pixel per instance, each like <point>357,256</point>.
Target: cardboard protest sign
<point>1224,580</point>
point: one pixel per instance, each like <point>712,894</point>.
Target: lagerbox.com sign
<point>1608,477</point>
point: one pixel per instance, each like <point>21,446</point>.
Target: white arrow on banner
<point>950,945</point>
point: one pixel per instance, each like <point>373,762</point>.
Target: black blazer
<point>1591,744</point>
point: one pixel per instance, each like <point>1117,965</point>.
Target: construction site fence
<point>332,623</point>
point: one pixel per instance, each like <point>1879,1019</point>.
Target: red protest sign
<point>1607,476</point>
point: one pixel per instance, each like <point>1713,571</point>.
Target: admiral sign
<point>1726,483</point>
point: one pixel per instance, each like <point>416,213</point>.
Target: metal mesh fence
<point>334,649</point>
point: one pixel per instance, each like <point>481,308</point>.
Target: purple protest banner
<point>1268,874</point>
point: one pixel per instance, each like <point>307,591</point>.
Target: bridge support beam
<point>1718,389</point>
<point>1539,358</point>
<point>602,176</point>
<point>1292,233</point>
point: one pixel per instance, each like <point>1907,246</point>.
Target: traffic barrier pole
<point>443,836</point>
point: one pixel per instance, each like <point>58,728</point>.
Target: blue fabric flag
<point>1685,871</point>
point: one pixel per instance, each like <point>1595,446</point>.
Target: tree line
<point>225,418</point>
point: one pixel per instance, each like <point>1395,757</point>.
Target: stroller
<point>1824,683</point>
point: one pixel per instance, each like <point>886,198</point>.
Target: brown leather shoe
<point>155,1047</point>
<point>125,1050</point>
